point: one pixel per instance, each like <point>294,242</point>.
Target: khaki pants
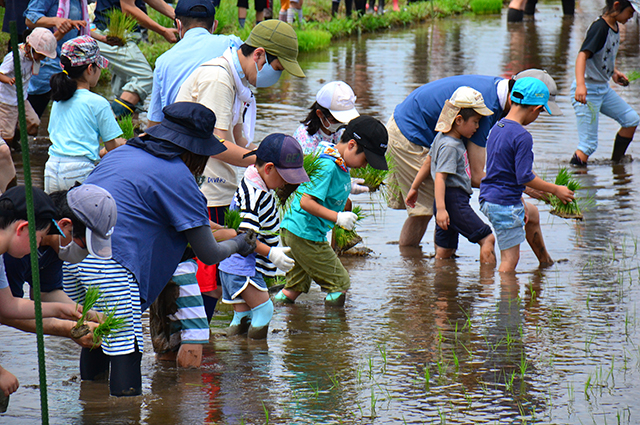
<point>315,261</point>
<point>407,158</point>
<point>9,120</point>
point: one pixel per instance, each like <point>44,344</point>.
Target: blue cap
<point>530,91</point>
<point>184,8</point>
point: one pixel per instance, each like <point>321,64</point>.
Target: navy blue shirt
<point>509,164</point>
<point>13,12</point>
<point>103,6</point>
<point>418,114</point>
<point>157,200</point>
<point>19,271</point>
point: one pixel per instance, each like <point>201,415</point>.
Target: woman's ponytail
<point>64,84</point>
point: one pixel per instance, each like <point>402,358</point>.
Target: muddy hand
<point>86,341</point>
<point>246,242</point>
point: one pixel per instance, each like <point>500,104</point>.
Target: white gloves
<point>278,256</point>
<point>347,219</point>
<point>357,187</point>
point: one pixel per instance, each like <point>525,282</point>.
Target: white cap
<point>463,98</point>
<point>339,99</point>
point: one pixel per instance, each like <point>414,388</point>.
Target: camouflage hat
<point>83,50</point>
<point>280,40</point>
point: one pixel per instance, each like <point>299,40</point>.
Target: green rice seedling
<point>570,209</point>
<point>232,219</point>
<point>523,365</point>
<point>427,377</point>
<point>633,75</point>
<point>485,7</point>
<point>374,401</point>
<point>311,166</point>
<point>266,414</point>
<point>373,178</point>
<point>126,125</point>
<point>120,27</point>
<point>335,382</point>
<point>383,353</point>
<point>110,324</point>
<point>346,239</point>
<point>91,296</point>
<point>594,112</point>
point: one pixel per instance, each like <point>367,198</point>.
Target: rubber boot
<point>261,317</point>
<point>334,8</point>
<point>240,323</point>
<point>620,146</point>
<point>515,15</point>
<point>281,298</point>
<point>335,299</point>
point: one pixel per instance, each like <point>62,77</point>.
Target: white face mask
<point>72,253</point>
<point>332,127</point>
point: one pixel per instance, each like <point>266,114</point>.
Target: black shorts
<point>463,220</point>
<point>260,4</point>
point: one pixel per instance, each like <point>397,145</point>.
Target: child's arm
<point>422,175</point>
<point>7,80</point>
<point>562,192</point>
<point>221,233</point>
<point>129,7</point>
<point>20,308</point>
<point>113,143</point>
<point>440,187</point>
<point>344,219</point>
<point>581,66</point>
<point>619,78</point>
<point>8,382</point>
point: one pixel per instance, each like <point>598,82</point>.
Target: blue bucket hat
<point>190,126</point>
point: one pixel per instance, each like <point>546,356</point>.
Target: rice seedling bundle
<point>347,239</point>
<point>311,165</point>
<point>372,178</point>
<point>91,296</point>
<point>110,323</point>
<point>570,209</point>
<point>120,27</point>
<point>232,219</point>
<point>126,125</point>
<point>633,75</point>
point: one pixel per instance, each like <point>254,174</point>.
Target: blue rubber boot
<point>335,299</point>
<point>240,323</point>
<point>260,320</point>
<point>281,298</point>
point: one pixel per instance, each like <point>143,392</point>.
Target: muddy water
<point>419,341</point>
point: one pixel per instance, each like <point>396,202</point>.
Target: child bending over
<point>459,119</point>
<point>509,171</point>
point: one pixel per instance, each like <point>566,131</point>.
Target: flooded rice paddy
<point>419,340</point>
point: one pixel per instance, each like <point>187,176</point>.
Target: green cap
<point>280,40</point>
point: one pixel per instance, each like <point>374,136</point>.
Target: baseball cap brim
<point>293,175</point>
<point>553,108</point>
<point>345,116</point>
<point>292,67</point>
<point>102,62</point>
<point>377,161</point>
<point>98,246</point>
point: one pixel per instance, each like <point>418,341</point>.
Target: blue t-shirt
<point>37,9</point>
<point>77,125</point>
<point>157,199</point>
<point>175,65</point>
<point>509,164</point>
<point>19,271</point>
<point>331,189</point>
<point>418,114</point>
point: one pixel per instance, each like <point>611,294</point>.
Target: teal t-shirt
<point>77,125</point>
<point>331,189</point>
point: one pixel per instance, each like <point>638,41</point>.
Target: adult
<point>412,130</point>
<point>222,85</point>
<point>196,24</point>
<point>72,222</point>
<point>132,78</point>
<point>160,211</point>
<point>71,20</point>
<point>13,10</point>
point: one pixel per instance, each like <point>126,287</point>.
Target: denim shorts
<point>62,173</point>
<point>463,220</point>
<point>233,285</point>
<point>600,99</point>
<point>507,221</point>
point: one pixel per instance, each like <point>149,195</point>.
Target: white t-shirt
<point>8,92</point>
<point>213,86</point>
<point>4,282</point>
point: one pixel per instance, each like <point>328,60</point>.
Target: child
<point>279,160</point>
<point>509,163</point>
<point>14,239</point>
<point>459,119</point>
<point>590,91</point>
<point>39,44</point>
<point>79,118</point>
<point>321,206</point>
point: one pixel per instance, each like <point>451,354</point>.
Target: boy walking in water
<point>509,170</point>
<point>279,160</point>
<point>321,206</point>
<point>459,119</point>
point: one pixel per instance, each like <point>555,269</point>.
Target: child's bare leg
<point>413,230</point>
<point>261,311</point>
<point>7,169</point>
<point>443,253</point>
<point>509,259</point>
<point>534,235</point>
<point>291,294</point>
<point>487,250</point>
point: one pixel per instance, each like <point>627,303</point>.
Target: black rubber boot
<point>620,146</point>
<point>514,15</point>
<point>334,8</point>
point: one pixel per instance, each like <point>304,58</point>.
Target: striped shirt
<point>190,323</point>
<point>259,212</point>
<point>119,289</point>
